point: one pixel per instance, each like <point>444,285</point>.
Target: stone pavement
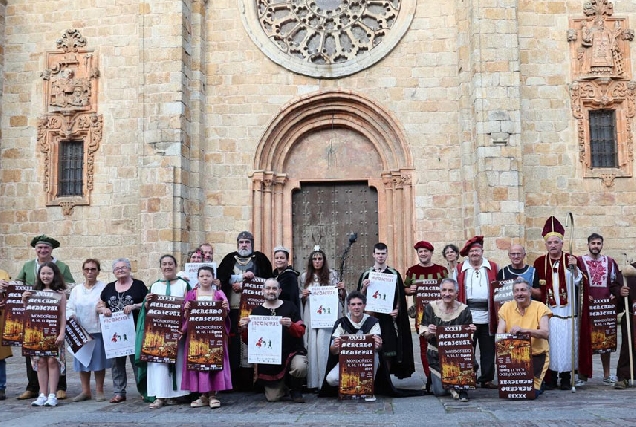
<point>592,405</point>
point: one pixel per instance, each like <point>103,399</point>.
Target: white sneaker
<point>51,401</point>
<point>580,383</point>
<point>611,380</point>
<point>41,400</point>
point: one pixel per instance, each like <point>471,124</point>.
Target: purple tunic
<point>206,381</point>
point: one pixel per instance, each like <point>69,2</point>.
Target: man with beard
<point>625,293</point>
<point>474,276</point>
<point>290,375</point>
<point>236,268</point>
<point>560,282</point>
<point>397,343</point>
<point>532,317</point>
<point>602,272</point>
<point>43,246</point>
<point>518,268</point>
<point>424,270</point>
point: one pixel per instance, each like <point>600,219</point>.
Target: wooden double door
<point>327,214</point>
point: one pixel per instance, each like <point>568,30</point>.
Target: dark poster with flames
<point>13,314</point>
<point>514,366</point>
<point>425,292</point>
<point>603,326</point>
<point>251,296</point>
<point>456,355</point>
<point>41,324</point>
<point>161,330</point>
<point>206,336</point>
<point>356,358</point>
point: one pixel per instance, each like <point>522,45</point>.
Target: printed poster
<point>514,366</point>
<point>501,292</point>
<point>425,291</point>
<point>251,296</point>
<point>161,330</point>
<point>265,340</point>
<point>356,361</point>
<point>192,271</point>
<point>13,313</point>
<point>603,326</point>
<point>206,336</point>
<point>41,324</point>
<point>118,332</point>
<point>380,292</point>
<point>79,342</point>
<point>456,354</point>
<point>323,301</point>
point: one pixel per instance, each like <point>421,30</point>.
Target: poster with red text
<point>356,363</point>
<point>42,324</point>
<point>456,354</point>
<point>206,336</point>
<point>514,366</point>
<point>161,330</point>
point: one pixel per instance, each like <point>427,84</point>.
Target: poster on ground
<point>79,342</point>
<point>380,292</point>
<point>323,301</point>
<point>161,329</point>
<point>603,326</point>
<point>251,296</point>
<point>265,340</point>
<point>192,271</point>
<point>118,332</point>
<point>206,336</point>
<point>13,313</point>
<point>426,290</point>
<point>456,355</point>
<point>356,361</point>
<point>514,366</point>
<point>42,324</point>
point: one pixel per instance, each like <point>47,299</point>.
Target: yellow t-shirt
<point>530,320</point>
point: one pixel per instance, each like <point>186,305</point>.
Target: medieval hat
<point>551,228</point>
<point>280,249</point>
<point>245,235</point>
<point>474,241</point>
<point>45,240</point>
<point>424,244</point>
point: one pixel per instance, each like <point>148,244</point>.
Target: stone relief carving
<point>327,38</point>
<point>599,43</point>
<point>70,96</point>
<point>601,73</point>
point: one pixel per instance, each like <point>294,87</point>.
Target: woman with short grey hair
<point>125,294</point>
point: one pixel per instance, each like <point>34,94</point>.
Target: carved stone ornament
<point>617,95</point>
<point>327,38</point>
<point>70,100</point>
<point>599,43</point>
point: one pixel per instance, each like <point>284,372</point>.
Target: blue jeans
<point>3,374</point>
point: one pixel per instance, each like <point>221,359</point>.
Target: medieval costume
<point>317,339</point>
<point>413,275</point>
<point>475,291</point>
<point>291,372</point>
<point>435,315</point>
<point>206,381</point>
<point>288,279</point>
<point>623,367</point>
<point>560,287</point>
<point>382,384</point>
<point>232,266</point>
<point>397,343</point>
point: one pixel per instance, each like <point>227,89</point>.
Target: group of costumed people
<point>562,283</point>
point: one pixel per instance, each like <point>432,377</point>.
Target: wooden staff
<point>629,271</point>
<point>569,223</point>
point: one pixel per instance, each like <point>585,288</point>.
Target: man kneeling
<point>356,322</point>
<point>277,379</point>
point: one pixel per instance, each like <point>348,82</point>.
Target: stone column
<point>490,120</point>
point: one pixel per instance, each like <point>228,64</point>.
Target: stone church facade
<point>133,129</point>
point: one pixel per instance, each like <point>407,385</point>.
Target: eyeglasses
<point>90,269</point>
<point>120,268</point>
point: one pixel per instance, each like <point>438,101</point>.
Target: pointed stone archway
<point>333,136</point>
